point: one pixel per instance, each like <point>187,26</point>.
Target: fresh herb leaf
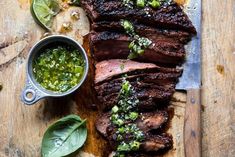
<point>64,137</point>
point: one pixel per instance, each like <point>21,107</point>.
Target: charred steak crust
<point>146,122</point>
<point>143,30</point>
<point>162,50</point>
<point>169,16</point>
<point>169,29</point>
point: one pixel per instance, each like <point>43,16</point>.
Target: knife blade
<point>190,81</point>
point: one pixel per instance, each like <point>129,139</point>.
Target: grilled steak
<point>163,79</point>
<point>146,122</point>
<point>110,69</point>
<point>150,82</point>
<point>153,146</point>
<point>112,45</point>
<point>107,88</point>
<point>151,98</point>
<point>143,30</point>
<point>168,16</point>
<point>154,143</point>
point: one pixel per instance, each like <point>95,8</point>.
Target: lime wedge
<point>43,12</point>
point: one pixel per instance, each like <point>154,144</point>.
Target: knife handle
<point>192,125</point>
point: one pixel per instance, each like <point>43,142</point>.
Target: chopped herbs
<point>139,44</point>
<point>122,66</point>
<point>59,69</point>
<point>123,117</point>
<point>140,3</point>
<point>155,3</point>
<point>143,3</point>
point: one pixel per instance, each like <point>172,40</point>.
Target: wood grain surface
<point>192,123</point>
<point>22,127</point>
<point>218,69</point>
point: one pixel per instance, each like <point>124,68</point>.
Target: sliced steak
<point>110,69</point>
<point>113,45</point>
<point>143,30</point>
<point>162,79</point>
<point>154,143</point>
<point>146,122</point>
<point>150,98</point>
<point>168,16</point>
<point>107,88</point>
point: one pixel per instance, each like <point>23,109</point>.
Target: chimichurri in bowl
<point>57,66</point>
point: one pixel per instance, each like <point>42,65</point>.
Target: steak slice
<point>107,88</point>
<point>153,146</point>
<point>110,69</point>
<point>143,30</point>
<point>113,45</point>
<point>150,98</point>
<point>168,16</point>
<point>146,122</point>
<point>154,143</point>
<point>152,78</point>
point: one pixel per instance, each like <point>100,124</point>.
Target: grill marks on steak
<point>169,16</point>
<point>154,143</point>
<point>143,30</point>
<point>162,50</point>
<point>147,122</point>
<point>149,99</point>
<point>154,85</point>
<point>169,29</point>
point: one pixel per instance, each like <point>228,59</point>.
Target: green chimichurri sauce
<point>123,117</point>
<point>138,44</point>
<point>59,69</point>
<point>143,3</point>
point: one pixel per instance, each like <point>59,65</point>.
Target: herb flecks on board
<point>138,44</point>
<point>123,117</point>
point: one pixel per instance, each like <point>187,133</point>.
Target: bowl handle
<point>31,94</point>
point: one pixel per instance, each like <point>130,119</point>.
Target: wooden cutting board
<point>22,127</point>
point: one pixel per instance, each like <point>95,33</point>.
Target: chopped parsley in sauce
<point>123,117</point>
<point>138,44</point>
<point>143,3</point>
<point>59,69</point>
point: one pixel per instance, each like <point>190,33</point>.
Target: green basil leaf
<point>64,137</point>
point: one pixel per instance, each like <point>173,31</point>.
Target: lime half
<point>43,12</point>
